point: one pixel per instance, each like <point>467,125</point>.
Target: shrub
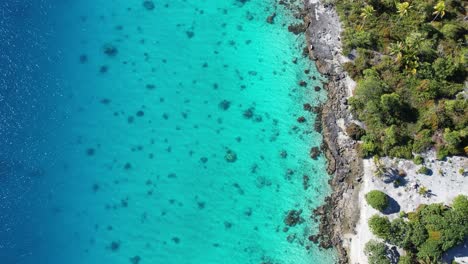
<point>423,190</point>
<point>430,250</point>
<point>380,226</point>
<point>376,252</point>
<point>460,204</point>
<point>418,234</point>
<point>424,170</point>
<point>377,200</point>
<point>452,31</point>
<point>442,153</point>
<point>408,259</point>
<point>418,160</point>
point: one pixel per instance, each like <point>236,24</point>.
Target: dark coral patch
<point>149,5</point>
<point>110,50</point>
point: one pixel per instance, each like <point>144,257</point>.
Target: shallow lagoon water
<point>163,135</point>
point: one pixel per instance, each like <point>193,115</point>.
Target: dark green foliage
<point>418,160</point>
<point>376,252</point>
<point>377,200</point>
<point>418,234</point>
<point>408,259</point>
<point>430,251</point>
<point>424,170</point>
<point>460,204</point>
<point>430,231</point>
<point>409,71</point>
<point>380,226</point>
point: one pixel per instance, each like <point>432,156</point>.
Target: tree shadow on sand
<point>392,208</point>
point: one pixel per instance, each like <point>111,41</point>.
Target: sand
<point>444,184</point>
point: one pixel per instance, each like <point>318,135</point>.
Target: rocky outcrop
<point>340,212</point>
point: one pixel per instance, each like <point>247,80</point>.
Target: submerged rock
<point>230,156</point>
<point>224,105</point>
<point>135,260</point>
<point>283,154</point>
<point>293,217</point>
<point>297,28</point>
<point>249,113</point>
<point>110,50</point>
<point>314,152</point>
<point>271,18</point>
<point>148,4</point>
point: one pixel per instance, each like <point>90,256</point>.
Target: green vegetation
<point>418,160</point>
<point>424,170</point>
<point>377,200</point>
<point>423,191</point>
<point>376,252</point>
<point>426,234</point>
<point>410,68</point>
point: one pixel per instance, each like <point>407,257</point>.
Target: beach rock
<point>307,107</point>
<point>314,239</point>
<point>354,131</point>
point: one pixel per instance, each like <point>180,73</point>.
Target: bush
<point>377,200</point>
<point>430,250</point>
<point>442,153</point>
<point>452,31</point>
<point>408,259</point>
<point>418,160</point>
<point>380,226</point>
<point>460,204</point>
<point>424,170</point>
<point>376,252</point>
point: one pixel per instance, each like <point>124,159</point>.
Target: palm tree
<point>366,12</point>
<point>397,49</point>
<point>439,10</point>
<point>402,8</point>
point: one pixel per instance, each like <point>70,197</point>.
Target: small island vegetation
<point>377,200</point>
<point>424,234</point>
<point>409,59</point>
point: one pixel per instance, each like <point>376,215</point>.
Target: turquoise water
<point>166,135</point>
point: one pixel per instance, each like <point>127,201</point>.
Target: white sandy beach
<point>444,184</point>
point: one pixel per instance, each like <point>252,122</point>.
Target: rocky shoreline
<point>340,213</point>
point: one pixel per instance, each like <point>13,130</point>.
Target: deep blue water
<point>132,134</point>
